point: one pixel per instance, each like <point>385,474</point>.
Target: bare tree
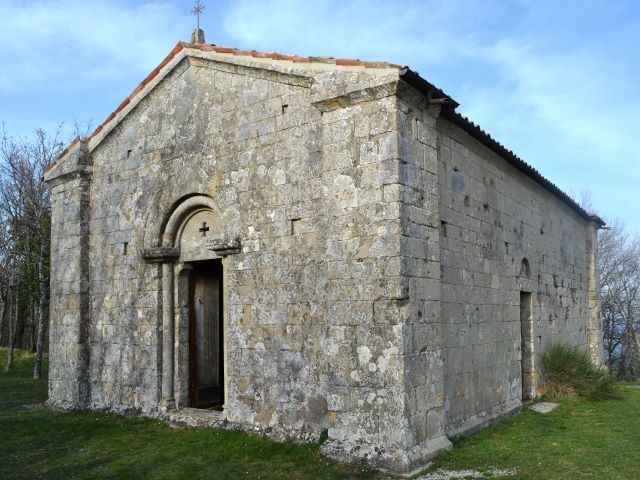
<point>5,303</point>
<point>25,210</point>
<point>619,269</point>
<point>13,321</point>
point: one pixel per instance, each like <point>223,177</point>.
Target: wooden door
<point>205,335</point>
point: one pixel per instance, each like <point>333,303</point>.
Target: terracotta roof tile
<point>328,60</point>
<point>55,162</point>
<point>124,103</point>
<point>179,46</point>
<point>349,62</point>
<point>136,90</point>
<point>257,54</point>
<point>225,50</point>
<point>206,47</point>
<point>163,63</point>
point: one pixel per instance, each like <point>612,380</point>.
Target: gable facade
<point>369,255</point>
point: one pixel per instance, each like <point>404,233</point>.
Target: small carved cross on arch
<point>204,229</point>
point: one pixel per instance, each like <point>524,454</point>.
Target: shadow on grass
<point>46,444</point>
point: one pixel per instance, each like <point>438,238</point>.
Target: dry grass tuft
<point>568,372</point>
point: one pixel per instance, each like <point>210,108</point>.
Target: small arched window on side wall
<point>525,269</point>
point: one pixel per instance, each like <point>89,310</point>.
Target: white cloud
<point>73,38</point>
<point>563,100</point>
<point>571,92</point>
<point>374,30</point>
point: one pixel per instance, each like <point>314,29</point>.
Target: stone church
<point>300,245</point>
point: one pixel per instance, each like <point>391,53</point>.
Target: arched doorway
<point>526,333</point>
<point>192,254</point>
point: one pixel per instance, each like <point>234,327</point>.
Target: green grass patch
<point>580,439</point>
<point>89,445</point>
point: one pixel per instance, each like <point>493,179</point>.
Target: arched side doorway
<point>192,252</point>
<point>527,366</point>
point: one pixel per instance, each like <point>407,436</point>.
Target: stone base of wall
<point>404,464</point>
<point>421,455</point>
<point>199,418</point>
<point>61,405</point>
<point>477,423</point>
<point>55,406</point>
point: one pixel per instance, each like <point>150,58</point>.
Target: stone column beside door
<point>166,256</point>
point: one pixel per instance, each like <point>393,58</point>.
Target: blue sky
<point>557,82</point>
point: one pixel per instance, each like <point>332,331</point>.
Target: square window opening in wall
<point>128,153</point>
<point>295,225</point>
<point>284,108</point>
<point>443,228</point>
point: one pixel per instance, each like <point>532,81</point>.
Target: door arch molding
<point>176,268</point>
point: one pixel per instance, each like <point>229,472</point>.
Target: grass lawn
<point>51,445</point>
<point>580,439</point>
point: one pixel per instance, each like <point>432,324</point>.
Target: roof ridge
<point>350,62</point>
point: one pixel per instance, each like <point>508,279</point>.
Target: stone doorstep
<point>194,417</point>
<point>543,407</point>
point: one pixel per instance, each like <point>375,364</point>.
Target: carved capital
<point>224,247</point>
<point>161,254</point>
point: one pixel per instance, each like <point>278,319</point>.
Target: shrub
<point>569,372</point>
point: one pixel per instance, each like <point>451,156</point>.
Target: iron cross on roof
<point>198,8</point>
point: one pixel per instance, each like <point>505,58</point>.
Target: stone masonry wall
<point>310,185</point>
<point>492,217</point>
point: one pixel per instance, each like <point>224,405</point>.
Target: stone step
<point>195,417</point>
